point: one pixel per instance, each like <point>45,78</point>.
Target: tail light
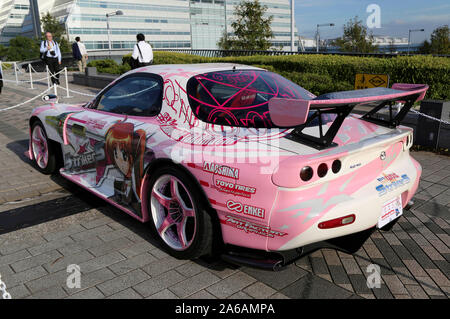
<point>336,167</point>
<point>306,173</point>
<point>322,170</point>
<point>338,222</point>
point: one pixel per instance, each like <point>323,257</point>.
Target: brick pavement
<point>47,224</point>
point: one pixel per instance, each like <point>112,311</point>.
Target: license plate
<point>391,210</point>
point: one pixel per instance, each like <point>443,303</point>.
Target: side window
<point>137,95</point>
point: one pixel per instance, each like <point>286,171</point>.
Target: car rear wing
<point>302,114</point>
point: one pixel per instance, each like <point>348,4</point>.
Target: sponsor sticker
<point>250,227</point>
<point>221,170</point>
<point>235,189</point>
<point>390,182</point>
<point>245,209</point>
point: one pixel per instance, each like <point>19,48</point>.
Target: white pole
<point>31,76</point>
<point>292,25</point>
<point>15,72</point>
<point>109,35</point>
<point>409,40</point>
<point>55,88</point>
<point>67,83</point>
<point>317,39</point>
<point>48,75</point>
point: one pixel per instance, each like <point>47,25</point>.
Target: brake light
<point>336,166</point>
<point>322,170</point>
<point>306,174</point>
<point>338,222</point>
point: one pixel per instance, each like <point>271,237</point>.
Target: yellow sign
<point>367,81</point>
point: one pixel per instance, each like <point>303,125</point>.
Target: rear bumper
<point>365,203</point>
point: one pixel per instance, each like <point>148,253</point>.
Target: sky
<point>397,16</point>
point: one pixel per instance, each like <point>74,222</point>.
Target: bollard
<point>67,83</point>
<point>31,76</point>
<point>48,76</point>
<point>15,72</point>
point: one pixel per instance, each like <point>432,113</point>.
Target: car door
<point>105,147</point>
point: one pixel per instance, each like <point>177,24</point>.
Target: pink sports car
<point>235,159</point>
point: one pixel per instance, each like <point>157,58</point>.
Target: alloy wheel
<point>173,212</point>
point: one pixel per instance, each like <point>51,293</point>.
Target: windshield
<point>240,98</point>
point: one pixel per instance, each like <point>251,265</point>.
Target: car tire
<point>42,149</point>
<point>179,215</point>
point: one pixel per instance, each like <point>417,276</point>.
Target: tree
<point>439,42</point>
<point>356,38</point>
<point>225,42</point>
<point>425,48</point>
<point>22,48</point>
<point>51,24</point>
<point>3,51</point>
<point>252,29</point>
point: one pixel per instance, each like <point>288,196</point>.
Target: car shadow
<point>79,200</point>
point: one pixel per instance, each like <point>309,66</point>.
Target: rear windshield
<point>240,98</point>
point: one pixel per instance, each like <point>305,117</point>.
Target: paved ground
<point>47,224</point>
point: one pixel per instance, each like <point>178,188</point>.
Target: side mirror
<point>288,112</point>
<point>50,98</point>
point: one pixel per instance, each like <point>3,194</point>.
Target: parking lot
<point>47,224</point>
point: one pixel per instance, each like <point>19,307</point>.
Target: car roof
<point>194,69</point>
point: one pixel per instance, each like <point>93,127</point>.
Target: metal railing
<point>214,53</point>
<point>68,61</point>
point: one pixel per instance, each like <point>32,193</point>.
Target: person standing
<point>142,52</point>
<point>80,54</point>
<point>51,55</point>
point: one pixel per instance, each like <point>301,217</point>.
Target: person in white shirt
<point>51,55</point>
<point>142,52</point>
<point>84,56</point>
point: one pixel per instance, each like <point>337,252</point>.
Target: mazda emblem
<point>383,156</point>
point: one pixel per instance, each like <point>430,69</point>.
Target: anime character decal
<point>125,149</point>
<point>110,163</point>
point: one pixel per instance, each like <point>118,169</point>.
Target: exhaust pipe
<point>266,264</point>
<point>272,261</point>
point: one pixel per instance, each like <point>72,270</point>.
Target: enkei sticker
<point>250,227</point>
<point>245,209</point>
<point>235,189</point>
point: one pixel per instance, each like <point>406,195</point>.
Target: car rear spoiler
<point>302,113</point>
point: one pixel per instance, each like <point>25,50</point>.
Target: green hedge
<point>109,66</point>
<point>325,73</point>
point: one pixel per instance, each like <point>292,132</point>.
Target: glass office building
<point>175,24</point>
<point>16,18</point>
